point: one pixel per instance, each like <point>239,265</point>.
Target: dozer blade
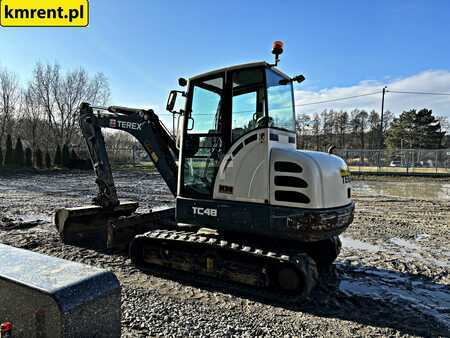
<point>87,226</point>
<point>121,231</point>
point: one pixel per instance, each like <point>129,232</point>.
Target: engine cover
<point>264,166</point>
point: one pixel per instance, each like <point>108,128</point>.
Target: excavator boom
<point>145,126</point>
<point>95,225</point>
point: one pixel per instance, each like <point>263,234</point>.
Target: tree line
<point>42,115</point>
<point>20,157</point>
<point>359,129</point>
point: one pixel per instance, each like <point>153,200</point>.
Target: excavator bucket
<point>87,226</point>
<point>104,229</point>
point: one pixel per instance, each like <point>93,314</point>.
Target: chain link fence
<point>129,155</point>
<point>397,160</point>
<point>359,160</point>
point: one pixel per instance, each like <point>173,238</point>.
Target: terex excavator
<point>250,207</point>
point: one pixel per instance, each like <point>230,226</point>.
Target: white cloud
<point>427,81</point>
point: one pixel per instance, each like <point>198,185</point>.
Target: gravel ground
<point>392,277</point>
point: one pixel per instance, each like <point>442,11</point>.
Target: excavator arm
<point>145,126</point>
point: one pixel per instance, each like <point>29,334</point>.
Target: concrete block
<point>44,296</point>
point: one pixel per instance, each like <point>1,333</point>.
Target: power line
<point>338,99</point>
<point>348,98</point>
<point>416,92</point>
<point>319,102</point>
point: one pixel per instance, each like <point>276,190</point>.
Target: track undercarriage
<point>285,271</point>
<point>288,275</point>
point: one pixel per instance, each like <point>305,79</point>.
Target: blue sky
<point>143,46</point>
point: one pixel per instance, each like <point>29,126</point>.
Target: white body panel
<point>247,173</point>
<point>323,173</point>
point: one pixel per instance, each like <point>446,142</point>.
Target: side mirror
<point>171,100</point>
<point>298,79</point>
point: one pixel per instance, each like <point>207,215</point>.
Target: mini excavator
<point>249,207</point>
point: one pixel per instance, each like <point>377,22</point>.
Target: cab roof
<point>243,65</point>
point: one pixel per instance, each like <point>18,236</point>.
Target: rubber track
<point>302,262</point>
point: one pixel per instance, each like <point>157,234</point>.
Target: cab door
<point>203,144</point>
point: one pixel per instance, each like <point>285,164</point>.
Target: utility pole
<point>382,118</point>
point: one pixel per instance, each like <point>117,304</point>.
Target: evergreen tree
<point>65,156</point>
<point>19,159</point>
<point>9,155</point>
<point>414,129</point>
<point>48,160</point>
<point>428,130</point>
<point>28,158</point>
<point>401,131</point>
<point>1,156</point>
<point>58,157</point>
<point>38,158</point>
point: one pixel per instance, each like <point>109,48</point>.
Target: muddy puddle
<point>412,189</point>
<point>402,290</point>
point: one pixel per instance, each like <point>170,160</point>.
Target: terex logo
<point>125,125</point>
<point>204,211</point>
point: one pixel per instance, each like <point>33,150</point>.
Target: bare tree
<point>362,120</point>
<point>60,95</point>
<point>388,117</point>
<point>444,128</point>
<point>69,91</point>
<point>327,125</point>
<point>374,129</point>
<point>302,123</point>
<point>316,122</point>
<point>9,99</point>
<point>41,87</point>
<point>32,118</point>
<point>119,143</point>
<point>341,126</point>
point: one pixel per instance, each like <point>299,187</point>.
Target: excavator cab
<point>222,107</point>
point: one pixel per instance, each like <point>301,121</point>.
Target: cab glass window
<point>205,108</point>
<point>280,102</point>
<point>248,101</point>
